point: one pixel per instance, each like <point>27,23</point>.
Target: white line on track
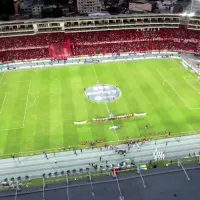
<point>3,102</point>
<point>105,102</point>
<point>174,90</point>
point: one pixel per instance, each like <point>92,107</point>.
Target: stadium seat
<point>100,42</point>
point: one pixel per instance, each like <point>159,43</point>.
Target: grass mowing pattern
<point>38,107</point>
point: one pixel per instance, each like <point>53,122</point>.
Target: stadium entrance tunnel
<point>103,93</point>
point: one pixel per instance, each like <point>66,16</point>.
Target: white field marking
<point>173,89</point>
<point>26,103</point>
<point>105,102</point>
<point>8,129</point>
<point>24,112</point>
<point>167,89</point>
<point>33,102</point>
<point>162,68</point>
<point>197,81</point>
<point>191,85</point>
<point>2,77</point>
<point>3,102</point>
<point>12,82</point>
<point>197,108</point>
<point>95,72</point>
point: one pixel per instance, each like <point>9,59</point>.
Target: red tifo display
<point>60,51</point>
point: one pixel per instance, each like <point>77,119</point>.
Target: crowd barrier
<point>100,58</point>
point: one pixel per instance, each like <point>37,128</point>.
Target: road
<point>35,166</point>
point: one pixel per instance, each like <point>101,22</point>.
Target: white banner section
<point>114,127</point>
<point>139,114</point>
<point>83,122</point>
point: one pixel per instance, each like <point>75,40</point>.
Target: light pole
<point>180,165</point>
<point>67,180</point>
<point>17,188</point>
<point>139,172</point>
<point>92,187</point>
<point>43,189</point>
<point>121,197</point>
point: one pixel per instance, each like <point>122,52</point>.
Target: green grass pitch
<point>38,107</point>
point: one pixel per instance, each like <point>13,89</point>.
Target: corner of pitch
<point>103,93</point>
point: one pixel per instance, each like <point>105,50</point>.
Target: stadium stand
<point>99,42</point>
<point>132,41</point>
<point>133,47</point>
<point>10,55</point>
<point>31,41</point>
<point>132,35</point>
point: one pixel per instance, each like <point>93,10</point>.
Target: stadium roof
<point>162,184</point>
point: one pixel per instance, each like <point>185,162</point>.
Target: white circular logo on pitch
<point>103,93</point>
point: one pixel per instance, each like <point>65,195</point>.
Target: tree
<point>7,7</point>
<point>5,18</point>
<point>46,13</point>
<point>57,12</point>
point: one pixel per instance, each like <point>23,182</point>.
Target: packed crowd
<point>132,35</point>
<point>132,41</point>
<point>133,47</point>
<point>24,54</point>
<point>24,42</point>
<point>28,47</point>
<point>102,42</point>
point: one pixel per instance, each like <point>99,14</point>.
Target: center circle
<point>103,93</point>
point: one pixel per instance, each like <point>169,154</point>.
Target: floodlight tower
<point>192,11</point>
<point>191,7</point>
<point>189,12</point>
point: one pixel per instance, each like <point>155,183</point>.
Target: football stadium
<point>50,108</point>
<point>96,105</point>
